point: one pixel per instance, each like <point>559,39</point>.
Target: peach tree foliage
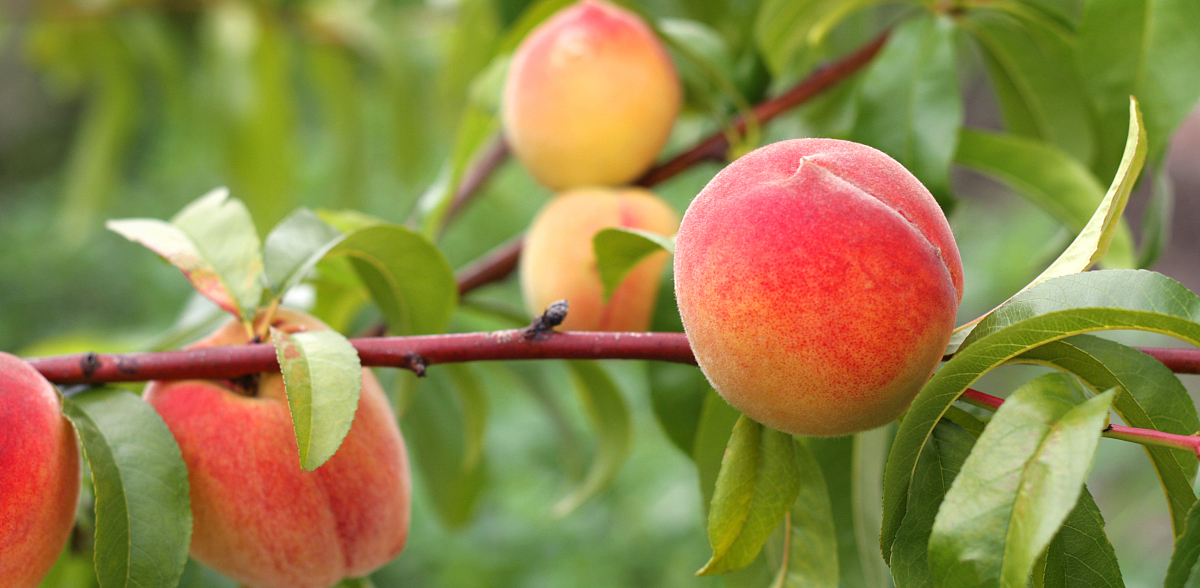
<point>987,498</point>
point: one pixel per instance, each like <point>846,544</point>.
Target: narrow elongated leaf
<point>408,277</point>
<point>1055,309</point>
<point>835,455</point>
<point>1143,48</point>
<point>1080,555</point>
<point>909,104</point>
<point>619,250</point>
<point>1152,398</point>
<point>294,247</point>
<point>1032,69</point>
<point>143,511</point>
<point>323,377</point>
<point>758,484</point>
<point>945,452</point>
<point>475,410</point>
<point>811,546</point>
<point>609,415</point>
<point>787,31</point>
<point>1047,177</point>
<point>717,419</point>
<point>678,393</point>
<point>1183,570</point>
<point>1018,485</point>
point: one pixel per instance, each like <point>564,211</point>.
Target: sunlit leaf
<point>619,250</point>
<point>143,512</point>
<point>1015,489</point>
<point>323,377</point>
<point>294,247</point>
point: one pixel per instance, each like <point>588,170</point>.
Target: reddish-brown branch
<point>412,353</point>
<point>1181,361</point>
<point>502,261</point>
<point>1122,432</point>
<point>715,146</point>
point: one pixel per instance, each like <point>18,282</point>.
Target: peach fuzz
<point>818,283</point>
<point>558,260</point>
<point>39,474</point>
<point>590,98</point>
<point>258,517</point>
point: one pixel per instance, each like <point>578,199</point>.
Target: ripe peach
<point>818,283</point>
<point>558,260</point>
<point>39,474</point>
<point>590,98</point>
<point>260,518</point>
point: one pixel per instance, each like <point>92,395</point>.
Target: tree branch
<point>502,260</point>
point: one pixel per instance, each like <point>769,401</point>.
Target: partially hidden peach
<point>558,260</point>
<point>590,98</point>
<point>258,517</point>
<point>39,474</point>
<point>818,283</point>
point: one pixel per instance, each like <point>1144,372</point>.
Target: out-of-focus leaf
<point>336,85</point>
<point>677,393</point>
<point>757,485</point>
<point>609,415</point>
<point>143,510</point>
<point>1156,222</point>
<point>1055,309</point>
<point>1143,48</point>
<point>909,103</point>
<point>1033,72</point>
<point>474,129</point>
<point>1080,555</point>
<point>811,546</point>
<point>717,419</point>
<point>474,409</point>
<point>532,16</point>
<point>1152,398</point>
<point>786,31</point>
<point>1184,570</point>
<point>323,377</point>
<point>1049,178</point>
<point>1018,485</point>
<point>214,243</point>
<point>619,250</point>
<point>294,247</point>
<point>408,277</point>
<point>945,451</point>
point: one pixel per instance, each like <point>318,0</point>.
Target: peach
<point>258,517</point>
<point>590,98</point>
<point>558,260</point>
<point>39,474</point>
<point>818,283</point>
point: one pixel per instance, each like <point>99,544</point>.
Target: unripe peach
<point>258,517</point>
<point>590,98</point>
<point>818,283</point>
<point>39,474</point>
<point>558,260</point>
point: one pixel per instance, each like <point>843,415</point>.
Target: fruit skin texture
<point>818,283</point>
<point>258,517</point>
<point>590,98</point>
<point>39,474</point>
<point>558,260</point>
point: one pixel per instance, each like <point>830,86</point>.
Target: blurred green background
<point>114,108</point>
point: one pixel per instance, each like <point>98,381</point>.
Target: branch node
<point>417,364</point>
<point>543,325</point>
<point>89,363</point>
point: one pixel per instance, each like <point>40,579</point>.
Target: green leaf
<point>811,547</point>
<point>1055,309</point>
<point>758,483</point>
<point>1143,48</point>
<point>1152,398</point>
<point>143,511</point>
<point>852,468</point>
<point>1032,70</point>
<point>717,419</point>
<point>909,104</point>
<point>214,243</point>
<point>474,409</point>
<point>530,18</point>
<point>408,277</point>
<point>323,377</point>
<point>1018,485</point>
<point>1184,570</point>
<point>294,247</point>
<point>786,32</point>
<point>677,394</point>
<point>1156,220</point>
<point>1080,555</point>
<point>619,250</point>
<point>609,416</point>
<point>945,451</point>
<point>1047,177</point>
<point>437,426</point>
